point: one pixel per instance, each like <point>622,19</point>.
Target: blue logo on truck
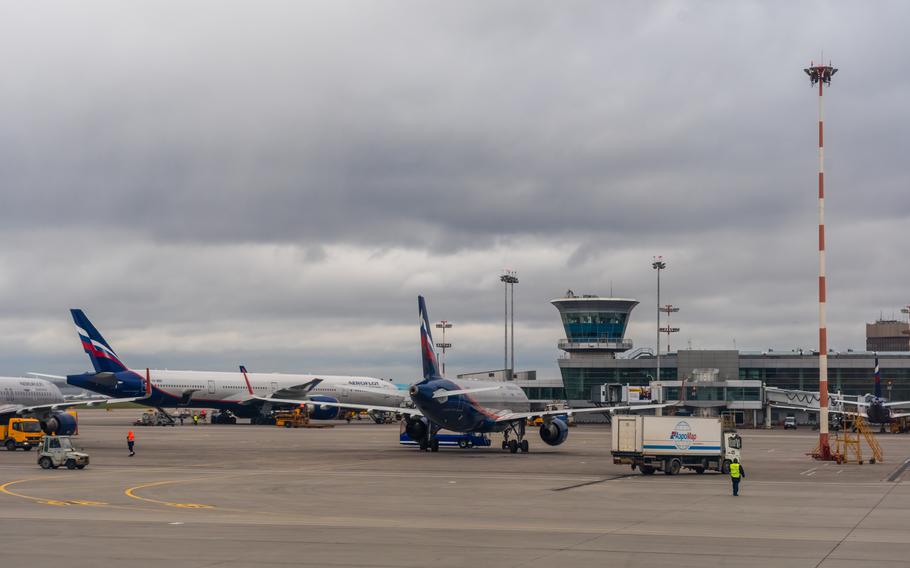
<point>682,435</point>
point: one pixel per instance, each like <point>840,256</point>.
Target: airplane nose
<point>413,390</point>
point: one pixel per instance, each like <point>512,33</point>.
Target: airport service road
<point>243,495</point>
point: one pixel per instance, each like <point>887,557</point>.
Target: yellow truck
<point>22,433</point>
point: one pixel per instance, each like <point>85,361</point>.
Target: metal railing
<point>596,343</point>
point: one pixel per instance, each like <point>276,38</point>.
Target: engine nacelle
<point>321,412</point>
<point>417,428</point>
<point>61,424</point>
<point>554,432</point>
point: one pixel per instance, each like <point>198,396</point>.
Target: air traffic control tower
<point>595,331</point>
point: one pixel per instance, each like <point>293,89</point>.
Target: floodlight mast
<point>821,75</point>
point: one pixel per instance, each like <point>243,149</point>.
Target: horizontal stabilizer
<point>445,393</point>
<point>56,379</point>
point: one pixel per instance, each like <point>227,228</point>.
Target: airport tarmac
<point>232,496</point>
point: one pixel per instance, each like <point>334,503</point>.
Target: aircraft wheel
<point>434,446</point>
<point>505,445</point>
<point>513,446</point>
<point>45,463</point>
<point>525,446</point>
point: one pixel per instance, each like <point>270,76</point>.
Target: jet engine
<point>417,428</point>
<point>61,423</point>
<point>554,432</point>
<point>321,412</point>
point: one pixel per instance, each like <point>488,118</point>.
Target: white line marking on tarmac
<point>808,471</point>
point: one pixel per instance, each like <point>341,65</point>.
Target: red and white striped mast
<point>821,74</point>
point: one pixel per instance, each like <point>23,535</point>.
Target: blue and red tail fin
<point>878,379</point>
<point>99,351</point>
<point>427,348</point>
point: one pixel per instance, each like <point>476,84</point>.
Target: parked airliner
<point>476,406</point>
<point>223,390</point>
<point>41,399</point>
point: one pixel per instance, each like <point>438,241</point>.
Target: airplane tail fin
<point>99,351</point>
<point>878,379</point>
<point>427,348</point>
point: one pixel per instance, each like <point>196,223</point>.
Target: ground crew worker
<point>130,442</point>
<point>195,419</point>
<point>737,473</point>
<point>202,415</point>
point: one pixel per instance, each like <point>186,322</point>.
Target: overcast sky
<point>273,183</point>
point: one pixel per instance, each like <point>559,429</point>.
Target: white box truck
<point>670,443</point>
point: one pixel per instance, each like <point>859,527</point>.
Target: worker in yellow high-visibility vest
<point>737,473</point>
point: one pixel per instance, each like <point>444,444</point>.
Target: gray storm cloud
<point>283,180</point>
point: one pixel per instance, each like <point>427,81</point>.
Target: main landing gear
<point>517,429</point>
<point>430,442</point>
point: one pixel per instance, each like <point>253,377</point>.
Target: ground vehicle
<point>155,418</point>
<point>567,418</point>
<point>224,417</point>
<point>462,440</point>
<point>58,450</point>
<point>670,443</point>
<point>22,433</point>
<point>790,422</point>
<point>293,419</point>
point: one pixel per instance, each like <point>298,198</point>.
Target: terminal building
<point>596,353</point>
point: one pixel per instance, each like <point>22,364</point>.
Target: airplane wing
<point>831,410</point>
<point>367,407</point>
<point>897,403</point>
<point>570,411</point>
<point>297,390</point>
<point>43,409</point>
<point>901,415</point>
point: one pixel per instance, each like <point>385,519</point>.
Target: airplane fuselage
<point>474,412</point>
<point>228,391</point>
<point>28,392</point>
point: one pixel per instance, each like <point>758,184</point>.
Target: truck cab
<point>733,445</point>
<point>22,433</point>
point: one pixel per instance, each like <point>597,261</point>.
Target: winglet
<point>245,378</point>
<point>148,382</point>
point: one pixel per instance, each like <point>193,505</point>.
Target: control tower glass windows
<point>594,326</point>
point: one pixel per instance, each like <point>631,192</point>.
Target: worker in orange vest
<point>130,442</point>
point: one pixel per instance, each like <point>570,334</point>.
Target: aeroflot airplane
<point>37,398</point>
<point>475,406</point>
<point>876,409</point>
<point>247,396</point>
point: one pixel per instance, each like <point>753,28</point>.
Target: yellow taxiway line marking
<point>43,501</point>
<point>131,492</point>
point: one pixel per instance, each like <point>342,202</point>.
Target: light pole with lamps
<point>658,265</point>
<point>444,325</point>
